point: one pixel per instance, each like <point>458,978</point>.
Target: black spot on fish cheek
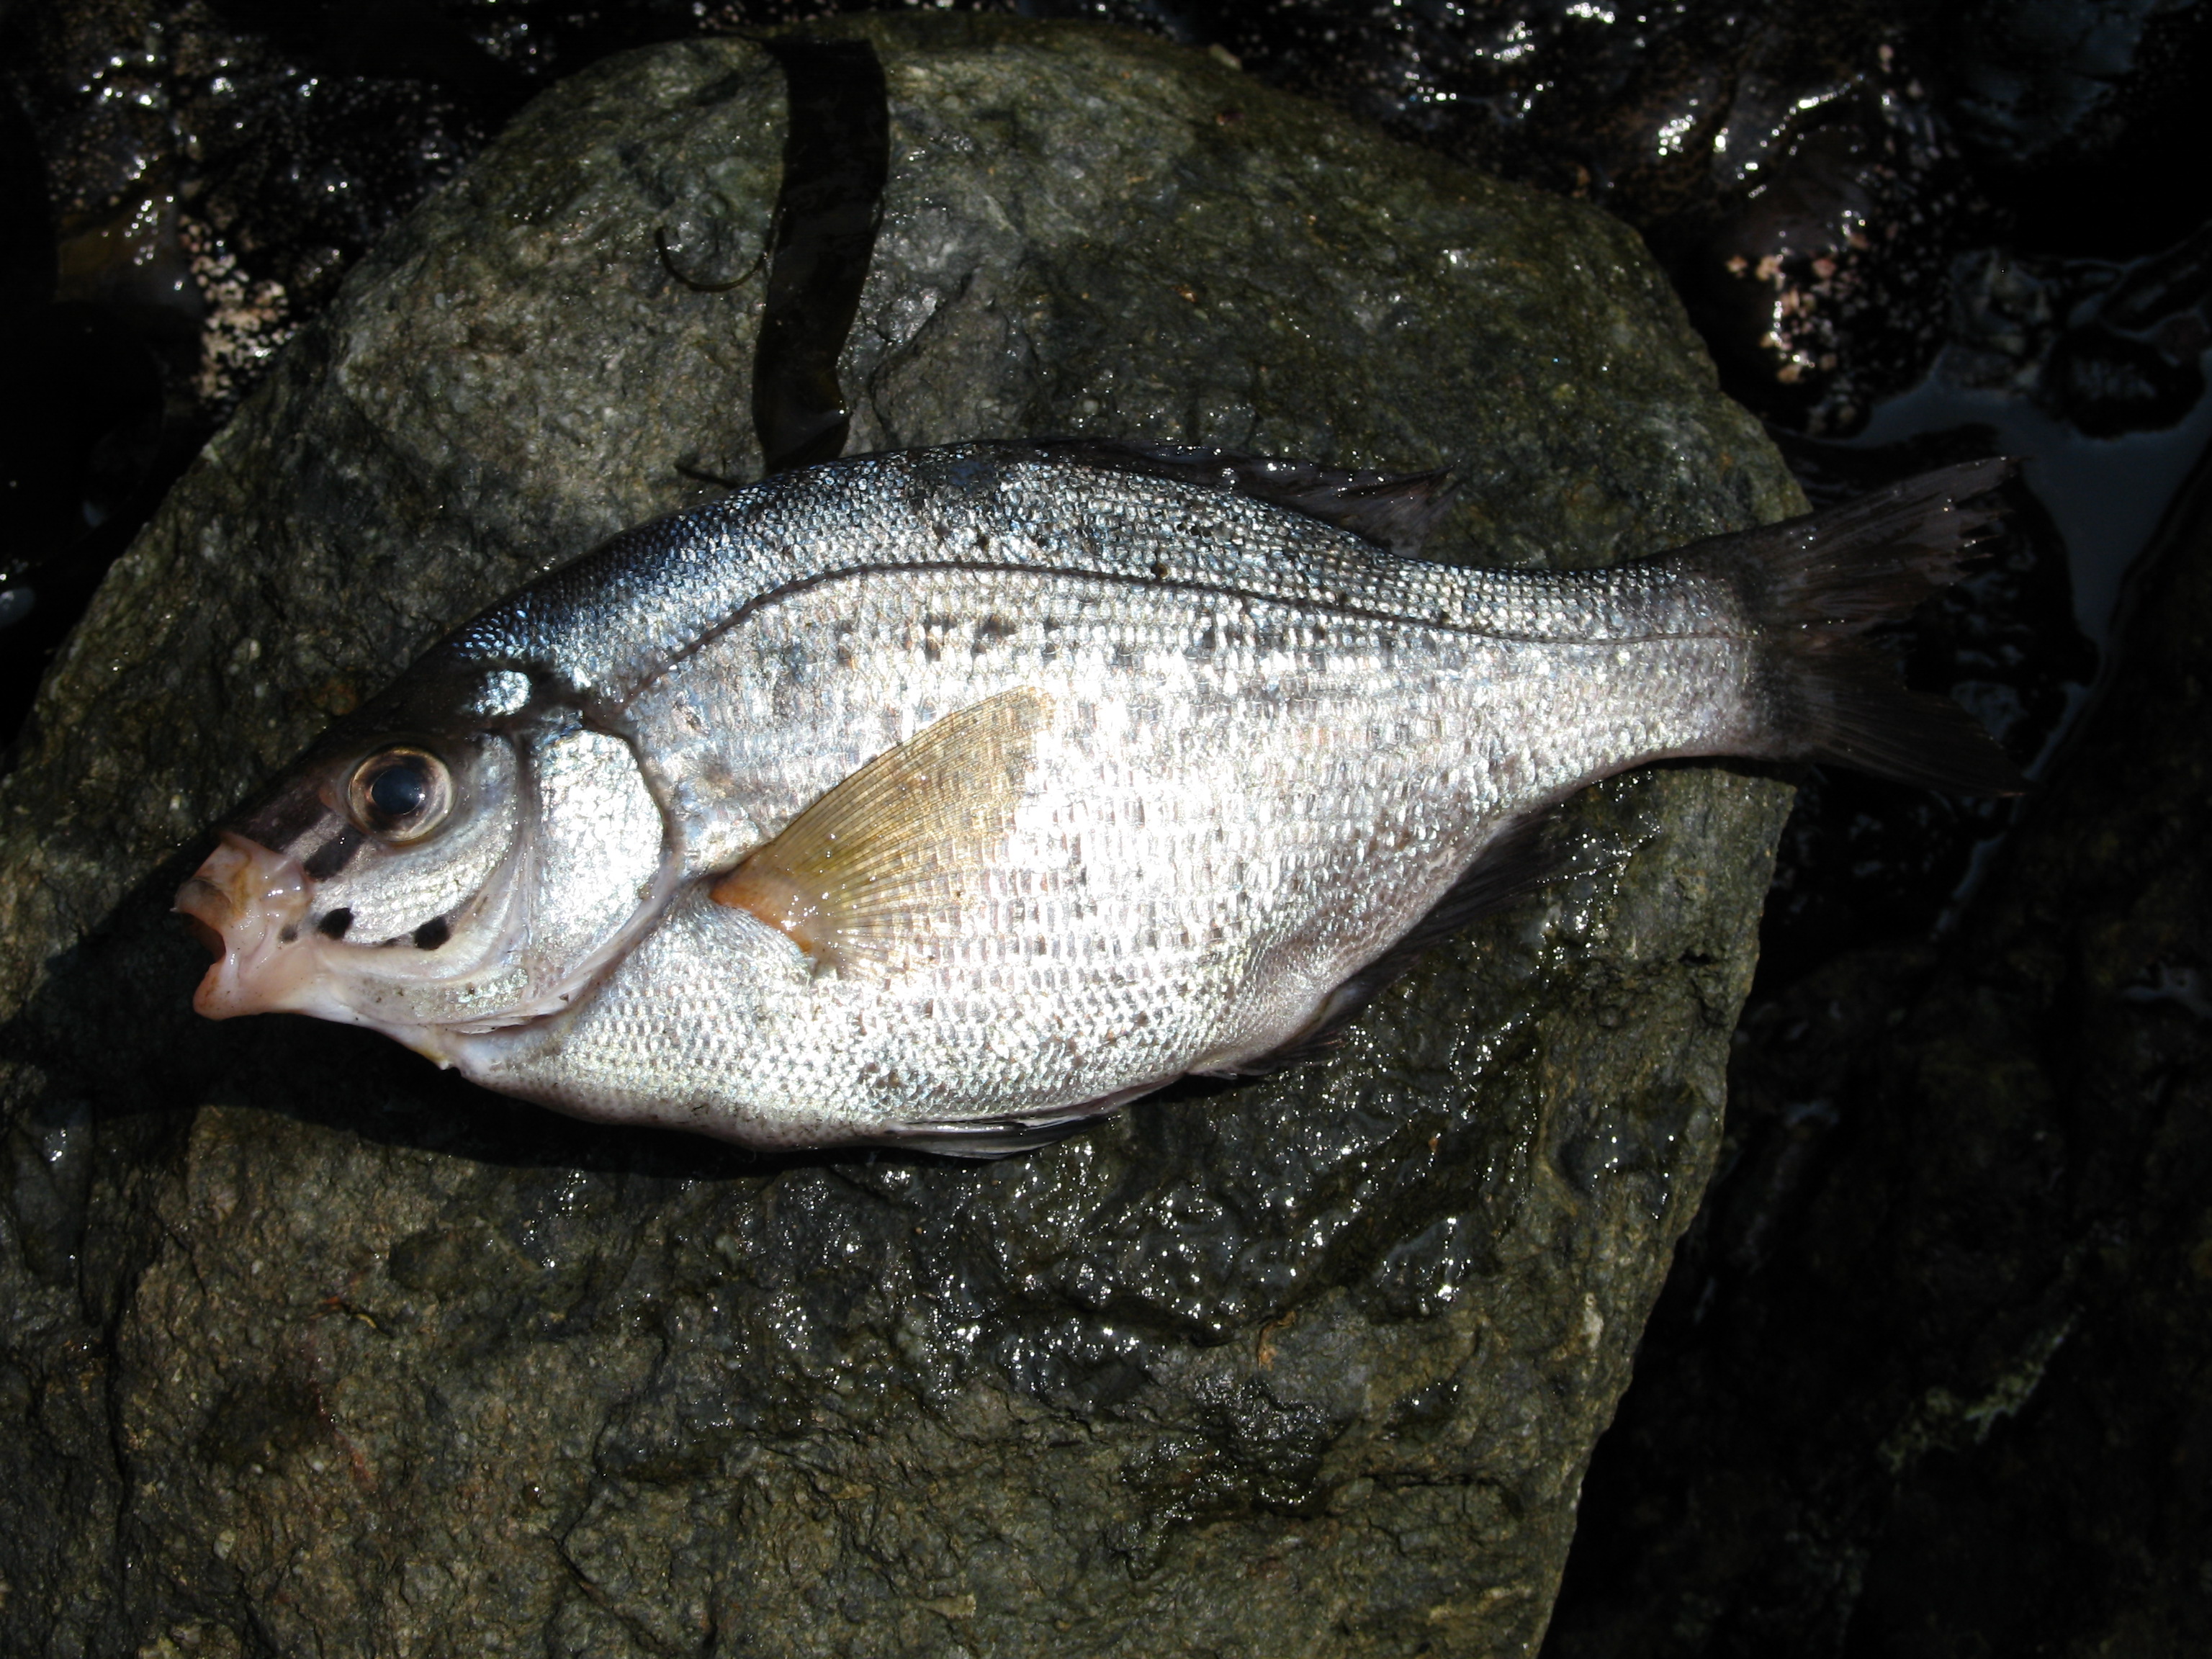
<point>334,923</point>
<point>431,933</point>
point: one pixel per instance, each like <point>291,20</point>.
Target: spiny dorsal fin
<point>873,876</point>
<point>1395,509</point>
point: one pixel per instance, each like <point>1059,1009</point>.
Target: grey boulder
<point>305,1347</point>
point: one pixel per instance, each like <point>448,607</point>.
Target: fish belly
<point>1233,805</point>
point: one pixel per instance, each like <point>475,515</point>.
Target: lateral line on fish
<point>1164,585</point>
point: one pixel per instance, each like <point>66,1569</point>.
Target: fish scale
<point>950,797</point>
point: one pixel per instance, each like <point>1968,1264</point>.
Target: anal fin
<point>1015,1132</point>
<point>987,1138</point>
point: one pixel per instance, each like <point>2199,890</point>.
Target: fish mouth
<point>247,904</point>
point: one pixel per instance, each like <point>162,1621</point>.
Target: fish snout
<point>247,904</point>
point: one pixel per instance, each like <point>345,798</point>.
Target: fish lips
<point>247,904</point>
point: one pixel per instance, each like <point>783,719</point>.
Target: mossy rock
<point>309,1348</point>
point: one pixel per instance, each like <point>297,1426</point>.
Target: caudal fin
<point>1810,586</point>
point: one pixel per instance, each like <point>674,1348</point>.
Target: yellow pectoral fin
<point>876,874</point>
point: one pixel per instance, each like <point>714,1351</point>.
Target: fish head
<point>433,870</point>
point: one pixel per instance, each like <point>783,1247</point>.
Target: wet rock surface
<point>1930,1375</point>
<point>308,1347</point>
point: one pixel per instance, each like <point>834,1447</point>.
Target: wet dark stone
<point>314,1348</point>
<point>2169,286</point>
<point>2086,118</point>
<point>1818,266</point>
<point>1929,1375</point>
<point>383,40</point>
<point>2110,385</point>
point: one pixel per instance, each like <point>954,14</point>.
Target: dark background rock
<point>1933,1380</point>
<point>307,1346</point>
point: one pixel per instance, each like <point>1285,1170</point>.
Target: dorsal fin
<point>1397,510</point>
<point>875,875</point>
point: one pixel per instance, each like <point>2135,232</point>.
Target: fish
<point>951,798</point>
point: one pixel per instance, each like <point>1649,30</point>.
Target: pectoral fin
<point>875,875</point>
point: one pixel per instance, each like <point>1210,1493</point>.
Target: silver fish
<point>955,797</point>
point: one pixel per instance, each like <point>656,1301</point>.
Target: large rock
<point>308,1347</point>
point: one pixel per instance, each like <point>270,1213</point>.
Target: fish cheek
<point>387,892</point>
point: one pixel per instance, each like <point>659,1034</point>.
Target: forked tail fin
<point>1810,586</point>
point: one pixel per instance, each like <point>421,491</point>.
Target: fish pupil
<point>401,795</point>
<point>398,790</point>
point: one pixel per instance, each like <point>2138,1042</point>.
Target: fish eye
<point>401,793</point>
